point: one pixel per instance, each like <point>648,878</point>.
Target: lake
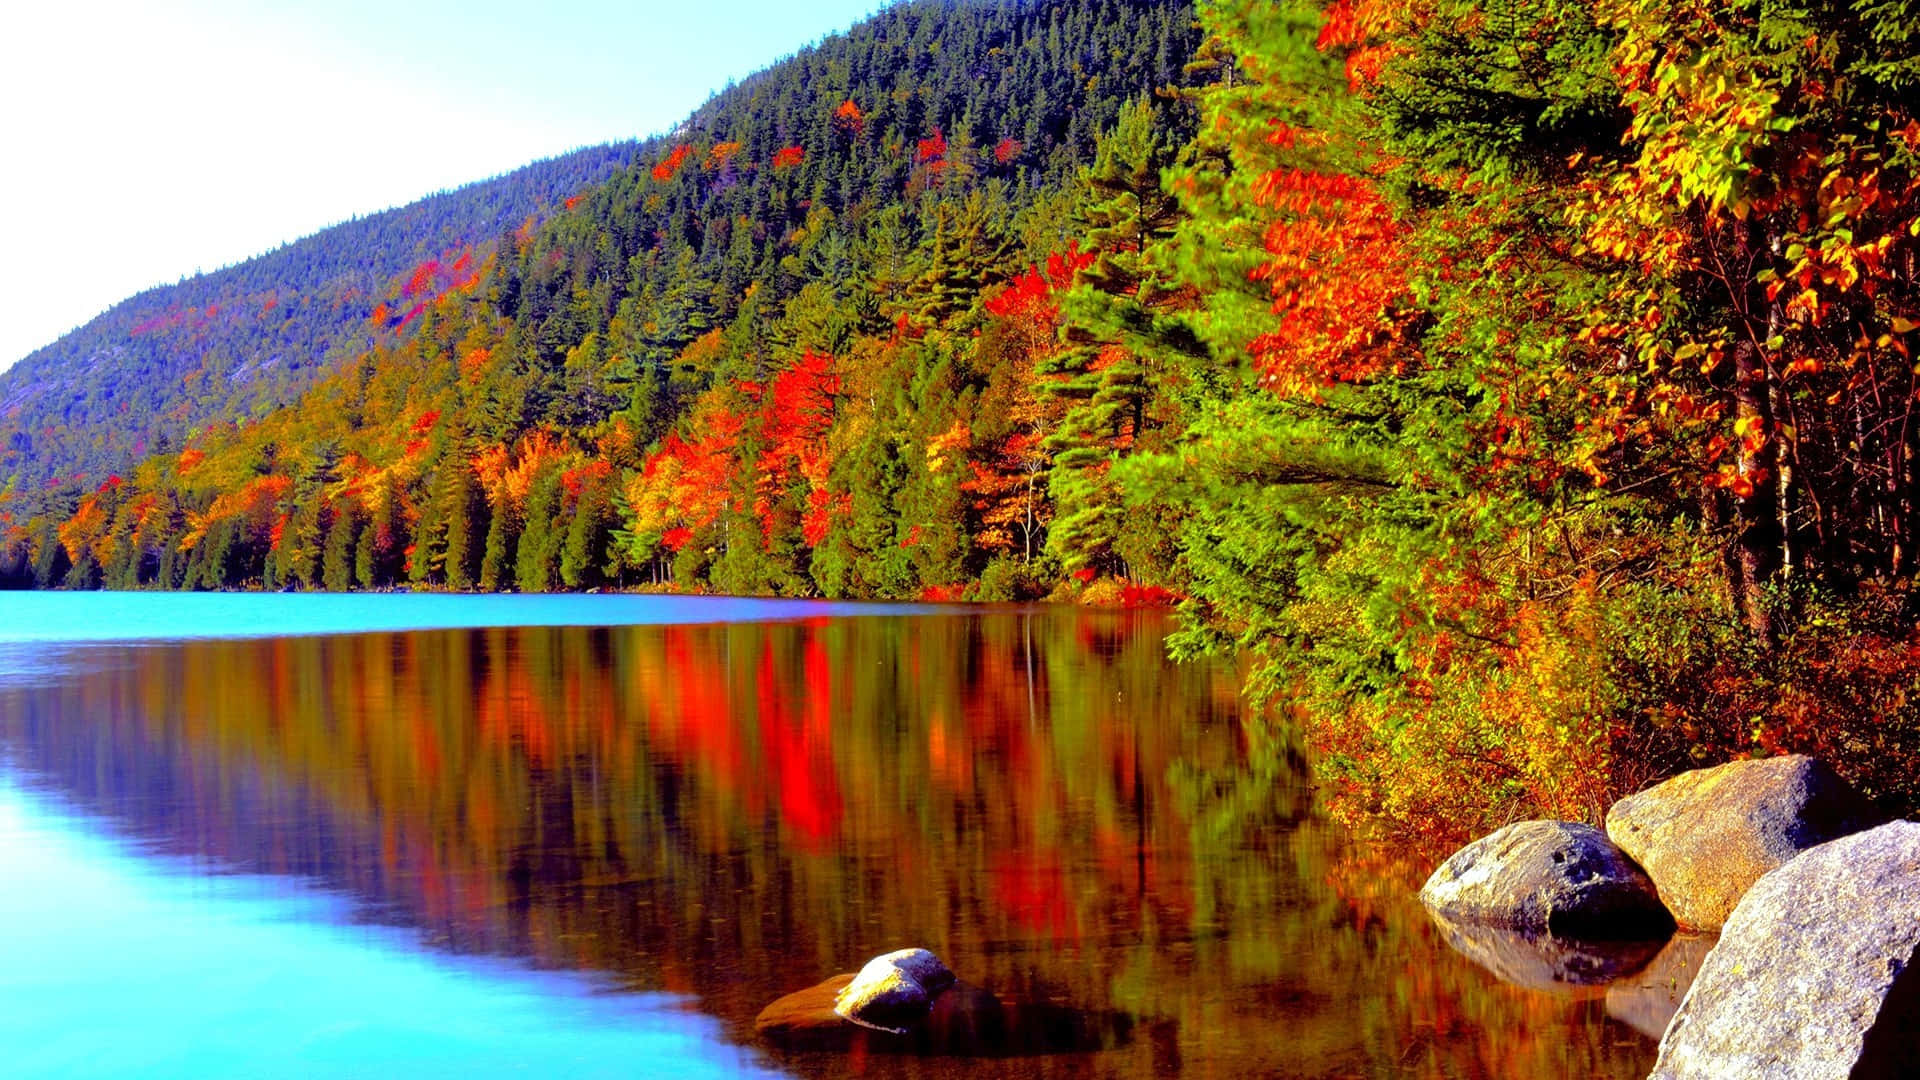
<point>594,836</point>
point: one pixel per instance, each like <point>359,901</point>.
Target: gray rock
<point>1558,877</point>
<point>1647,1000</point>
<point>921,966</point>
<point>1569,967</point>
<point>895,991</point>
<point>1706,836</point>
<point>1813,976</point>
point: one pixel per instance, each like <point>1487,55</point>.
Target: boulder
<point>1706,836</point>
<point>1569,967</point>
<point>895,991</point>
<point>1539,877</point>
<point>1814,974</point>
<point>907,1002</point>
<point>918,964</point>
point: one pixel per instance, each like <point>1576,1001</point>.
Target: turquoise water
<point>27,617</point>
<point>122,963</point>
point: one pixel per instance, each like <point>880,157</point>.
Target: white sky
<point>142,142</point>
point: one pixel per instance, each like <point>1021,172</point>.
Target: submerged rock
<point>1558,877</point>
<point>965,1019</point>
<point>805,1020</point>
<point>1706,836</point>
<point>1571,967</point>
<point>1647,999</point>
<point>1814,975</point>
<point>895,991</point>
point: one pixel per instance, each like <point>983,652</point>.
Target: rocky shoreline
<point>1815,901</point>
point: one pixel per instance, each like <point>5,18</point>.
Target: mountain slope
<point>239,341</point>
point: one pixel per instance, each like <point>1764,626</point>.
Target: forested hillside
<point>792,349</point>
<point>1525,387</point>
<point>237,343</point>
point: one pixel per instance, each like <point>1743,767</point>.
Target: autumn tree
<point>685,491</point>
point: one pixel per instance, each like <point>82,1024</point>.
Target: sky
<point>144,142</point>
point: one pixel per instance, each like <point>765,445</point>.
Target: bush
<point>1601,697</point>
<point>1009,579</point>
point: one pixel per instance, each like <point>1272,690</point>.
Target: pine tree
<point>460,508</point>
<point>1128,339</point>
<point>537,558</point>
<point>968,247</point>
<point>300,551</point>
<point>497,559</point>
<point>50,561</point>
<point>343,540</point>
<point>589,527</point>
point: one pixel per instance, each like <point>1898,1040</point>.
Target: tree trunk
<point>1900,482</point>
<point>1759,493</point>
<point>1758,539</point>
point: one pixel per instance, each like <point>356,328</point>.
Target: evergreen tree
<point>497,557</point>
<point>589,528</point>
<point>537,558</point>
<point>1117,375</point>
<point>967,247</point>
<point>337,563</point>
<point>50,561</point>
<point>299,555</point>
<point>460,510</point>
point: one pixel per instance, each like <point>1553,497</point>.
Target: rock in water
<point>1814,974</point>
<point>1547,876</point>
<point>805,1019</point>
<point>1706,836</point>
<point>895,991</point>
<point>924,968</point>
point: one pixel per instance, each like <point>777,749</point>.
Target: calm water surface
<point>598,840</point>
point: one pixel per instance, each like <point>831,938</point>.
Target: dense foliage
<point>1526,385</point>
<point>1584,449</point>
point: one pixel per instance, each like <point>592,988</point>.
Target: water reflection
<point>1648,999</point>
<point>1559,965</point>
<point>731,812</point>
